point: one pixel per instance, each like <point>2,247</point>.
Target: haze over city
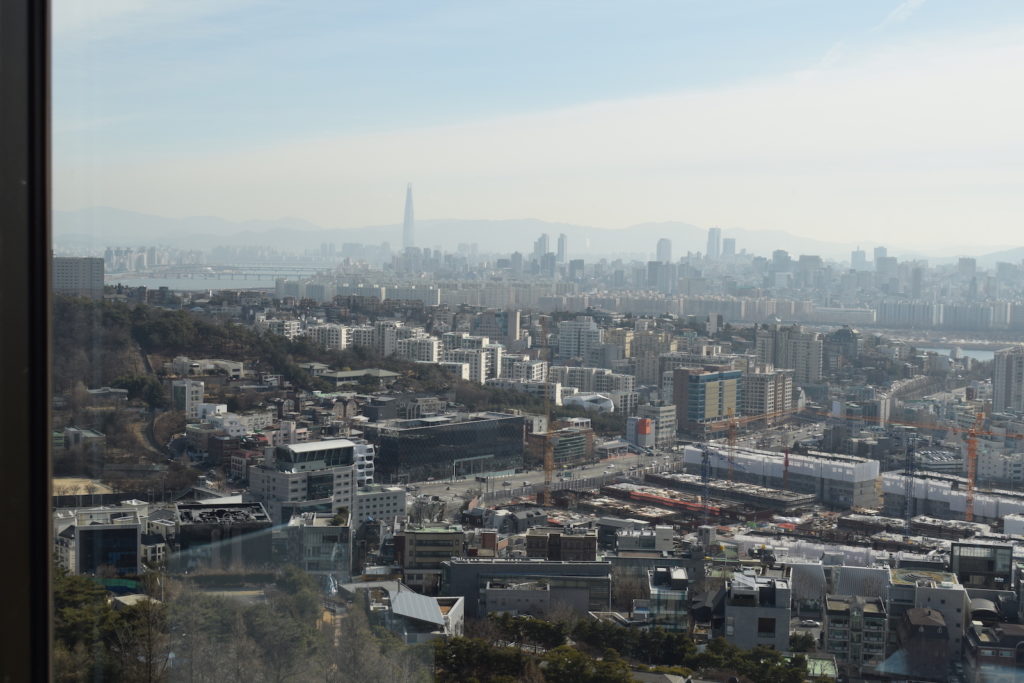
<point>894,122</point>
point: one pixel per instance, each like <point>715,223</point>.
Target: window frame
<point>25,532</point>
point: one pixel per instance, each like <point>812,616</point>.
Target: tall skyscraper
<point>728,247</point>
<point>541,246</point>
<point>563,248</point>
<point>714,243</point>
<point>409,224</point>
<point>665,250</point>
<point>858,259</point>
<point>880,253</point>
<point>1008,380</point>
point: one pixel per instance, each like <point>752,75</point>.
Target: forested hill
<point>100,343</point>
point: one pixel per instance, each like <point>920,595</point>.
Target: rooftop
<point>908,576</point>
<point>235,513</point>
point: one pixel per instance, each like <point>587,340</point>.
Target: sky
<point>898,121</point>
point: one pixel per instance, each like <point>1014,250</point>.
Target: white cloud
<point>917,143</point>
<point>900,14</point>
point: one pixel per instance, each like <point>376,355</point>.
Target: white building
<point>319,476</point>
<point>378,502</point>
<point>187,396</point>
<point>421,349</point>
<point>329,336</point>
<point>577,337</point>
<point>478,361</point>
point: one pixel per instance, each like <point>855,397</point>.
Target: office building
<point>728,248</point>
<point>563,249</point>
<point>640,432</point>
<point>982,565</point>
<point>668,605</point>
<point>78,276</point>
<point>541,246</point>
<point>446,445</point>
<point>317,476</point>
<point>663,415</point>
<point>420,550</point>
<point>569,446</point>
<point>320,543</point>
<point>102,541</point>
<point>705,398</point>
<point>757,611</point>
<point>409,221</point>
<point>714,244</point>
<point>1008,380</point>
<point>583,586</point>
<point>221,536</point>
<point>664,252</point>
<point>378,502</point>
<point>562,545</point>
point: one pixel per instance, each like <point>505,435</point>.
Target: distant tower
<point>541,246</point>
<point>728,248</point>
<point>665,250</point>
<point>563,248</point>
<point>714,243</point>
<point>409,224</point>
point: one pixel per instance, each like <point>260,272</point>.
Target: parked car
<point>810,623</point>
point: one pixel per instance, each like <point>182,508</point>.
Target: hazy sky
<point>896,120</point>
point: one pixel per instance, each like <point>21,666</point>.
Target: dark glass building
<point>447,445</point>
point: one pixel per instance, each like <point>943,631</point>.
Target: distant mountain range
<point>100,227</point>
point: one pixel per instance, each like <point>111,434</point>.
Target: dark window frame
<point>25,237</point>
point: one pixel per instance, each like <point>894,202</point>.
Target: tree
<point>801,642</point>
<point>142,641</point>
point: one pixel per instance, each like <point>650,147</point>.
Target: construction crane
<point>972,463</point>
<point>549,448</point>
<point>908,485</point>
<point>785,459</point>
<point>732,424</point>
<point>971,435</point>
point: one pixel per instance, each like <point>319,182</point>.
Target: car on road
<point>506,483</point>
<point>526,483</point>
<point>810,623</point>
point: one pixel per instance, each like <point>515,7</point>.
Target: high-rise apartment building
<point>714,243</point>
<point>767,391</point>
<point>577,337</point>
<point>664,250</point>
<point>409,222</point>
<point>78,276</point>
<point>794,349</point>
<point>1008,380</point>
<point>563,248</point>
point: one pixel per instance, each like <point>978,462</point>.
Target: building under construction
<point>763,497</point>
<point>690,506</point>
<point>837,481</point>
<point>945,496</point>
